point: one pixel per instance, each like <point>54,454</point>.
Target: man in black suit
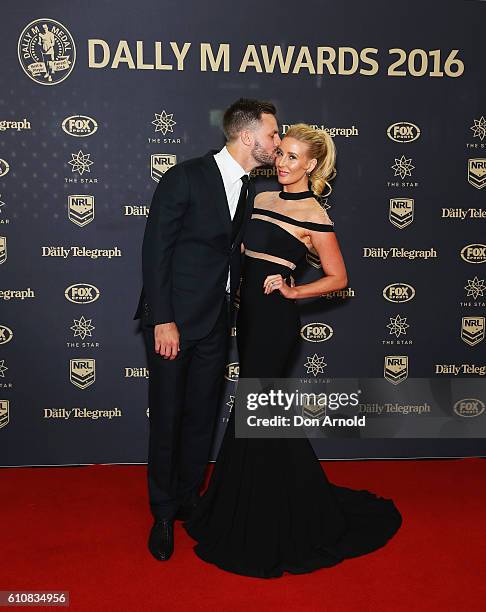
<point>191,259</point>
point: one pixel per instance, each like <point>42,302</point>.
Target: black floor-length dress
<point>269,507</point>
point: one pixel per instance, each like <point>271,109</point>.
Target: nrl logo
<point>3,249</point>
<point>396,368</point>
<point>4,413</point>
<point>160,163</point>
<point>82,372</point>
<point>6,334</point>
<point>403,132</point>
<point>476,172</point>
<point>472,330</point>
<point>81,209</point>
<point>316,332</point>
<point>469,407</point>
<point>401,212</point>
<point>79,126</point>
<point>46,51</point>
<point>232,371</point>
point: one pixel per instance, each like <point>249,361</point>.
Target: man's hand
<point>166,336</point>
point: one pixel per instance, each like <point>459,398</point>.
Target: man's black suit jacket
<point>187,248</point>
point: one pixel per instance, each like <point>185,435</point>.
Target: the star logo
<point>398,325</point>
<point>1,203</point>
<point>315,364</point>
<point>82,327</point>
<point>475,288</point>
<point>3,368</point>
<point>403,167</point>
<point>80,162</point>
<point>163,122</point>
<point>479,128</point>
<point>231,402</point>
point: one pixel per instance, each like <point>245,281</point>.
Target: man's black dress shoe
<point>186,511</point>
<point>161,539</point>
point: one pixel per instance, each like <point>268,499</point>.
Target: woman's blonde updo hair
<point>321,147</point>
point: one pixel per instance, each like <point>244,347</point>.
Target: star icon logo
<point>80,162</point>
<point>1,203</point>
<point>231,402</point>
<point>475,287</point>
<point>163,122</point>
<point>403,167</point>
<point>398,325</point>
<point>3,368</point>
<point>479,128</point>
<point>315,364</point>
<point>82,327</point>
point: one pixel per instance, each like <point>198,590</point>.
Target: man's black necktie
<point>240,209</point>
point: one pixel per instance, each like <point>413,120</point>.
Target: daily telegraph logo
<point>316,332</point>
<point>403,132</point>
<point>79,126</point>
<point>82,372</point>
<point>160,163</point>
<point>474,253</point>
<point>3,249</point>
<point>81,209</point>
<point>82,293</point>
<point>46,51</point>
<point>4,167</point>
<point>6,334</point>
<point>232,371</point>
<point>398,293</point>
<point>469,407</point>
<point>401,212</point>
<point>476,172</point>
<point>472,330</point>
<point>396,368</point>
<point>4,413</point>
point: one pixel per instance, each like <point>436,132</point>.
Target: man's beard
<point>261,156</point>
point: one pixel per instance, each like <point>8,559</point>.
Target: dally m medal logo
<point>46,51</point>
<point>160,163</point>
<point>3,249</point>
<point>472,330</point>
<point>4,413</point>
<point>81,209</point>
<point>82,372</point>
<point>401,212</point>
<point>476,172</point>
<point>396,368</point>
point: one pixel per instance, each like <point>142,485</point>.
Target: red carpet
<point>84,530</point>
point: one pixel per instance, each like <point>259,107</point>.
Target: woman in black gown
<point>269,507</point>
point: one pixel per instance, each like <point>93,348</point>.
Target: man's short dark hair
<point>244,114</point>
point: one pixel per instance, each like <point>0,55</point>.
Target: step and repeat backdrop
<point>99,99</point>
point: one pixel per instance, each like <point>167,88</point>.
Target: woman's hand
<point>276,281</point>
